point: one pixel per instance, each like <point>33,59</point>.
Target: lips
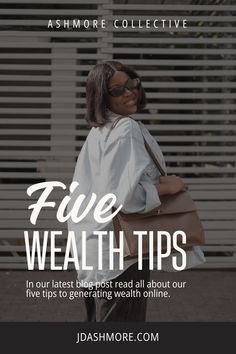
<point>131,103</point>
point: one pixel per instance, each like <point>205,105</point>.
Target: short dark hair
<point>97,91</point>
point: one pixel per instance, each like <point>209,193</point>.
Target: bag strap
<point>153,157</point>
<point>147,146</point>
<point>117,120</point>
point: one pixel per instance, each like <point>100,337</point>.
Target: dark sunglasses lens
<point>117,91</point>
<point>132,84</point>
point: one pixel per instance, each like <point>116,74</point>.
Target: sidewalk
<point>208,296</point>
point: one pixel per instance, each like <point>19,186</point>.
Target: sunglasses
<point>131,85</point>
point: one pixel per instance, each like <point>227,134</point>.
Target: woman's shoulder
<point>127,127</point>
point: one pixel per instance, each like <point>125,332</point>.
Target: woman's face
<point>125,104</point>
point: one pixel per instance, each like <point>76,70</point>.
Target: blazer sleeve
<point>123,169</point>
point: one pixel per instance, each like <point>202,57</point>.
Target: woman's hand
<point>170,185</point>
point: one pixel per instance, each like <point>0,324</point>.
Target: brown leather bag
<point>176,212</point>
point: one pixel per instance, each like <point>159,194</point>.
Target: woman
<point>114,160</point>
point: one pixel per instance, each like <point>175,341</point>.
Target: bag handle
<point>153,157</point>
<point>147,146</point>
